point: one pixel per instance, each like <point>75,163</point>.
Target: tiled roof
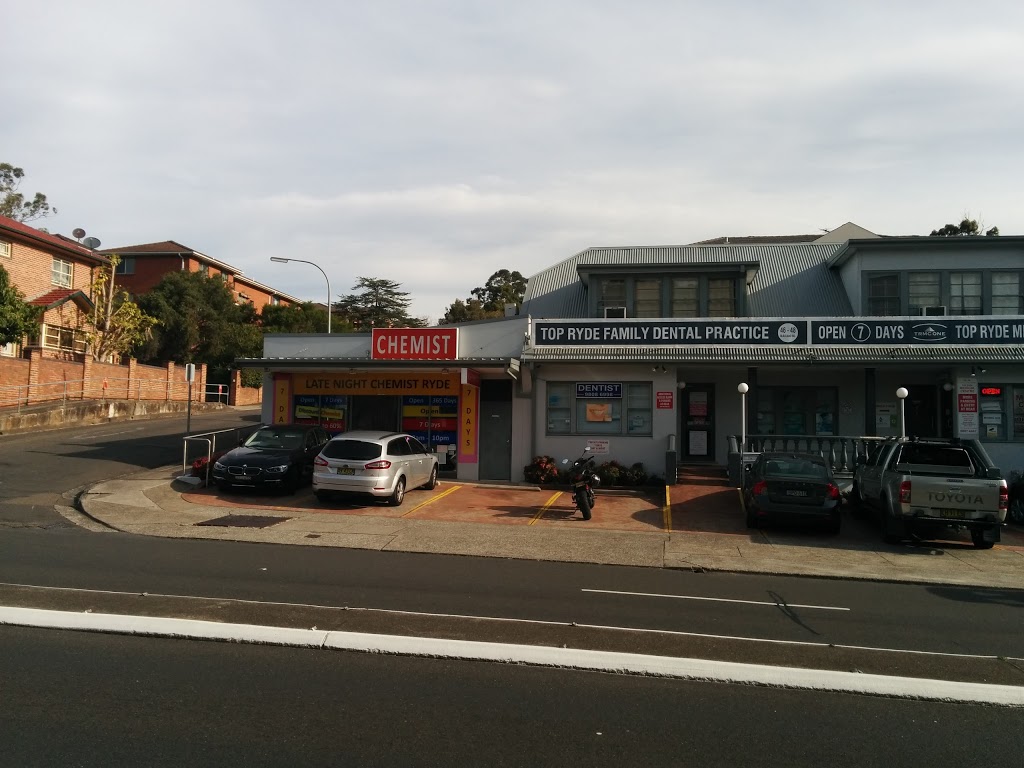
<point>58,296</point>
<point>64,244</point>
<point>165,246</point>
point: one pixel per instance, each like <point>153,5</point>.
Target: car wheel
<point>291,481</point>
<point>856,500</point>
<point>752,520</point>
<point>395,500</point>
<point>893,530</point>
<point>835,524</point>
<point>978,539</point>
<point>432,482</point>
<point>1017,510</point>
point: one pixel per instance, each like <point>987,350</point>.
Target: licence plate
<point>951,513</point>
<point>796,493</point>
<point>242,477</point>
<point>346,471</point>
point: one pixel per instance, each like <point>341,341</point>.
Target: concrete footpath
<point>697,525</point>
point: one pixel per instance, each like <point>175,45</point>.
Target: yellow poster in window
<point>599,412</point>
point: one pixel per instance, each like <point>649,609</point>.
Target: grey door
<point>495,430</point>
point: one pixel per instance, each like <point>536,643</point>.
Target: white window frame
<point>6,249</point>
<point>57,272</point>
<point>58,336</point>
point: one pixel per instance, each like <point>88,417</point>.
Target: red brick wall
<point>13,377</point>
<point>30,271</point>
<point>239,395</point>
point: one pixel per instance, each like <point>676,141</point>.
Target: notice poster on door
<point>698,443</point>
<point>698,404</point>
<point>967,425</point>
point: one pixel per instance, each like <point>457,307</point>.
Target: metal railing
<point>228,437</point>
<point>840,451</point>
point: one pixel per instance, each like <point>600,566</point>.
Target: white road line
<point>603,661</point>
<point>538,622</point>
<point>718,600</point>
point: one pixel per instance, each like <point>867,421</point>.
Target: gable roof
<point>792,280</point>
<point>758,240</point>
<point>59,296</point>
<point>53,243</point>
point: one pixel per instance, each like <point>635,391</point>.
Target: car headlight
<point>218,466</point>
<point>277,470</point>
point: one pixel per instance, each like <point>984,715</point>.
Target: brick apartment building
<point>143,266</point>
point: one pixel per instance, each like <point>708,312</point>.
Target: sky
<point>433,143</point>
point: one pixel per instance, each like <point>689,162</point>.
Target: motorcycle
<point>583,480</point>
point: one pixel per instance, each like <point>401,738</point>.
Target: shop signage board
<point>967,425</point>
<point>431,420</point>
<point>376,383</point>
<point>599,389</point>
<point>598,446</point>
<point>874,331</point>
<point>414,344</point>
<point>663,399</point>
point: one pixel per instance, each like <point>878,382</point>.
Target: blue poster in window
<point>601,389</point>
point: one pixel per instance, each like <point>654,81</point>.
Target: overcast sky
<point>433,143</point>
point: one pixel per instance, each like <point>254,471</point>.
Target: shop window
<point>611,293</point>
<point>925,290</point>
<point>721,297</point>
<point>647,297</point>
<point>61,272</point>
<point>884,295</point>
<point>965,293</point>
<point>621,409</point>
<point>797,411</point>
<point>64,339</point>
<point>685,297</point>
<point>992,406</point>
<point>1006,293</point>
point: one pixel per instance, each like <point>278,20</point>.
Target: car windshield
<point>790,466</point>
<point>352,450</point>
<point>274,438</point>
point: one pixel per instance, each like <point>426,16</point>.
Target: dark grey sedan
<point>278,456</point>
<point>791,486</point>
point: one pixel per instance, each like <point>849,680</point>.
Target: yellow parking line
<point>432,499</point>
<point>666,511</point>
<point>547,505</point>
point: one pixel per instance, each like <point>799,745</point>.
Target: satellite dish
<point>78,232</point>
<point>92,243</point>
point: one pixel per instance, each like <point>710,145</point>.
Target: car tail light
<point>382,464</point>
<point>832,491</point>
<point>761,486</point>
<point>320,461</point>
<point>905,492</point>
<point>1004,497</point>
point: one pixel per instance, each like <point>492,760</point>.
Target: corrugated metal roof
<point>793,280</point>
<point>805,355</point>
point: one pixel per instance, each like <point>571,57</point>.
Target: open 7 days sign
<point>854,331</point>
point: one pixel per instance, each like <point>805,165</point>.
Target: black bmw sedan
<point>278,456</point>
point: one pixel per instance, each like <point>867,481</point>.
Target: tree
<point>198,322</point>
<point>501,288</point>
<point>118,324</point>
<point>378,304</point>
<point>17,318</point>
<point>13,204</point>
<point>298,318</point>
<point>967,227</point>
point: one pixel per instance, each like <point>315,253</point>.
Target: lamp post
<point>902,393</point>
<point>743,389</point>
<point>282,260</point>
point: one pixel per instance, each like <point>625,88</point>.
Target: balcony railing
<point>840,451</point>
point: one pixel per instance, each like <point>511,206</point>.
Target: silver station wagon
<point>373,463</point>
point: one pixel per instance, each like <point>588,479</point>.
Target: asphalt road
<point>134,701</point>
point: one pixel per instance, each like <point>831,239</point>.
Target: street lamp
<point>902,393</point>
<point>743,389</point>
<point>282,260</point>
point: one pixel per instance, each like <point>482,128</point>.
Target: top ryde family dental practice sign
<point>897,331</point>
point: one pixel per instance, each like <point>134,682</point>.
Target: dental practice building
<point>641,352</point>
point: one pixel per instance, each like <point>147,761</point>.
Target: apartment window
<point>599,408</point>
<point>204,269</point>
<point>925,290</point>
<point>685,297</point>
<point>721,297</point>
<point>5,249</point>
<point>64,339</point>
<point>125,266</point>
<point>1006,294</point>
<point>647,297</point>
<point>61,272</point>
<point>965,293</point>
<point>274,301</point>
<point>884,295</point>
<point>611,293</point>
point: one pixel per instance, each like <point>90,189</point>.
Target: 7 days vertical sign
<point>469,407</point>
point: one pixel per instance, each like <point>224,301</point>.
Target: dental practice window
<point>599,408</point>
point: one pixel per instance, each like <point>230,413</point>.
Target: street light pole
<point>743,389</point>
<point>902,393</point>
<point>282,260</point>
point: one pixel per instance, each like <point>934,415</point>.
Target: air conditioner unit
<point>935,311</point>
<point>614,311</point>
